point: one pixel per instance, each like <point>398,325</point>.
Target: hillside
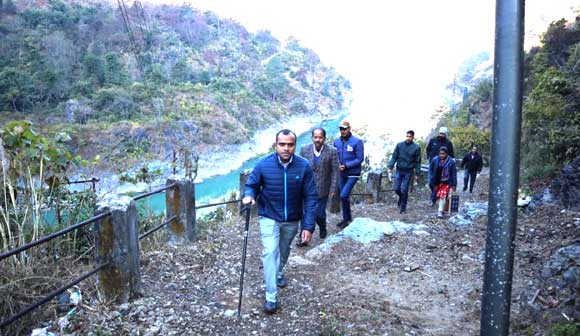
<point>144,80</point>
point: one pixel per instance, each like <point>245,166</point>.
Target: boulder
<point>78,111</point>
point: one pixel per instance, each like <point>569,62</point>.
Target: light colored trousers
<point>276,242</point>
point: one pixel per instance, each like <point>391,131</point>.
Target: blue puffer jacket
<point>351,153</point>
<point>285,194</point>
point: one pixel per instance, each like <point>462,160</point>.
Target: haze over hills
<point>391,51</point>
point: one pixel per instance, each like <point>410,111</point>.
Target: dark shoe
<point>343,224</point>
<point>464,189</point>
<point>402,211</point>
<point>270,307</point>
<point>281,282</point>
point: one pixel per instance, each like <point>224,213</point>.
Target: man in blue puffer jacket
<point>283,184</point>
<point>350,158</point>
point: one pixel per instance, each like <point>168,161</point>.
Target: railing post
<point>374,184</point>
<point>180,202</point>
<point>117,242</point>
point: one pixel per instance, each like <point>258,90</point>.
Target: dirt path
<point>404,284</point>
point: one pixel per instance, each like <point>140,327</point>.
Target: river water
<point>218,188</point>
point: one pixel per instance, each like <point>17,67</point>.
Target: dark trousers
<point>320,212</point>
<point>402,182</point>
<point>346,183</point>
<point>469,176</point>
<point>321,209</point>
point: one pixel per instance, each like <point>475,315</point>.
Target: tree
<point>114,72</point>
<point>8,7</point>
<point>274,83</point>
<point>557,41</point>
<point>94,68</point>
<point>15,87</point>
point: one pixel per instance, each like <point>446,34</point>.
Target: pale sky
<point>399,55</point>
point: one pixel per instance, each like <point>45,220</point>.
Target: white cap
<point>444,130</point>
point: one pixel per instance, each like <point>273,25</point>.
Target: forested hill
<point>147,78</point>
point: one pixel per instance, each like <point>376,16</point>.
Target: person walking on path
<point>407,156</point>
<point>472,163</point>
<point>324,163</point>
<point>442,177</point>
<point>283,185</point>
<point>350,151</point>
<point>433,147</point>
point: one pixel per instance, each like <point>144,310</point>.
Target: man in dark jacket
<point>287,194</point>
<point>350,158</point>
<point>407,156</point>
<point>473,164</point>
<point>433,147</point>
<point>324,163</point>
<point>438,142</point>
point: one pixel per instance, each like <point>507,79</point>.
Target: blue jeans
<point>346,183</point>
<point>402,180</point>
<point>276,241</point>
<point>469,177</point>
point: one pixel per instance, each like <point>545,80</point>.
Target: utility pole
<point>504,168</point>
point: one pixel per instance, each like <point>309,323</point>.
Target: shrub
<point>464,137</point>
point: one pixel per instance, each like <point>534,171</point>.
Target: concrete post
<point>374,184</point>
<point>117,242</point>
<point>180,202</point>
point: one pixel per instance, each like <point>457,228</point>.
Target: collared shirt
<point>285,164</point>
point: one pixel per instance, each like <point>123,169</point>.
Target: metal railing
<point>51,295</point>
<point>93,181</point>
<point>216,204</point>
<point>162,225</point>
<point>62,232</point>
<point>62,289</point>
<point>153,192</point>
<point>51,236</point>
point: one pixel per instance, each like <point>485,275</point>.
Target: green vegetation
<point>565,329</point>
<point>551,105</point>
<point>80,65</point>
<point>551,120</point>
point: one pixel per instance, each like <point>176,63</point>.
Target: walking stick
<point>246,229</point>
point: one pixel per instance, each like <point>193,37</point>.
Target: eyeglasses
<point>343,128</point>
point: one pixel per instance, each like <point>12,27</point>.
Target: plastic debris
<point>63,323</point>
<point>524,201</point>
<point>468,212</point>
<point>75,295</point>
<point>42,332</point>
